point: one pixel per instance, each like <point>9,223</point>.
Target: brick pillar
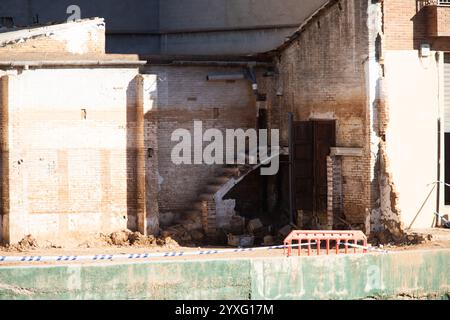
<point>209,217</point>
<point>334,189</point>
<point>151,153</point>
<point>140,157</point>
<point>4,153</point>
<point>330,194</point>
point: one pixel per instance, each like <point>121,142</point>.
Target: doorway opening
<point>446,127</point>
<point>312,141</point>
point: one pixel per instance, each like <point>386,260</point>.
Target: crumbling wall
<point>70,147</point>
<point>410,149</point>
<point>408,109</point>
<point>3,145</point>
<point>79,37</point>
<point>185,96</point>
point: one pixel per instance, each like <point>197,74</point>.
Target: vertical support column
<point>140,157</point>
<point>151,152</point>
<point>330,193</point>
<point>211,219</point>
<point>291,167</point>
<point>4,154</point>
<point>334,188</point>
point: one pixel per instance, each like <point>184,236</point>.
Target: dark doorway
<point>446,127</point>
<point>447,167</point>
<point>312,141</point>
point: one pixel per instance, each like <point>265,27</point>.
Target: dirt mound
<point>127,238</point>
<point>28,243</point>
<point>398,239</point>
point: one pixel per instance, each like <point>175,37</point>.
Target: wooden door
<point>312,141</point>
<point>324,139</point>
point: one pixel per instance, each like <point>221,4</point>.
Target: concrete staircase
<point>203,209</point>
<point>209,211</point>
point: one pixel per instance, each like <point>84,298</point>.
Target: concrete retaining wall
<point>410,273</point>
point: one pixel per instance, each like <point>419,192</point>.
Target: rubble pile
<point>188,231</point>
<point>257,233</point>
<point>126,238</point>
<point>405,238</point>
<point>26,244</point>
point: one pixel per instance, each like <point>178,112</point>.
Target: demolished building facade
<point>363,80</point>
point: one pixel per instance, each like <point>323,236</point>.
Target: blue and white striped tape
<point>142,256</point>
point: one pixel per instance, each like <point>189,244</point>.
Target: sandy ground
<point>440,240</point>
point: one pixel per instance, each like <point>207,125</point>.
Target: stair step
<point>213,188</point>
<point>206,196</point>
<point>230,171</point>
<point>220,180</point>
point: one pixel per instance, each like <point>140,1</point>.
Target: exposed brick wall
<point>184,95</point>
<point>82,37</point>
<point>334,194</point>
<point>407,25</point>
<point>150,92</point>
<point>442,21</point>
<point>322,76</point>
<point>71,144</point>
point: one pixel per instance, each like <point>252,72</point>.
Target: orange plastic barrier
<point>354,239</point>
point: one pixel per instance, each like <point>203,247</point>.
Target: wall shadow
<point>131,157</point>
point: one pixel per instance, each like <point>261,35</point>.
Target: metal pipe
<point>204,30</point>
<point>438,190</point>
<point>225,77</point>
<point>291,169</point>
<point>220,63</point>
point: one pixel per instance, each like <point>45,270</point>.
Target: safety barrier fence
<point>144,256</point>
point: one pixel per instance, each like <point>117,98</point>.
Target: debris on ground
<point>28,243</point>
<point>120,238</point>
<point>256,231</point>
<point>166,218</point>
<point>197,235</point>
<point>237,224</point>
<point>254,225</point>
<point>178,232</point>
<point>407,238</point>
<point>127,238</point>
<point>241,240</point>
<point>284,231</point>
<point>269,241</point>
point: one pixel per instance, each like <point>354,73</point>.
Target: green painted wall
<point>414,273</point>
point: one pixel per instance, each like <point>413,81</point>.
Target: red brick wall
<point>406,25</point>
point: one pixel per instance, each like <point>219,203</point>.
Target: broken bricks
<point>269,240</point>
<point>254,225</point>
<point>284,232</point>
<point>237,224</point>
<point>241,240</point>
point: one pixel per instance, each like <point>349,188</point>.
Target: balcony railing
<point>423,3</point>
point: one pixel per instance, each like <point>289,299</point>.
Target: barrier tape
<point>137,256</point>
